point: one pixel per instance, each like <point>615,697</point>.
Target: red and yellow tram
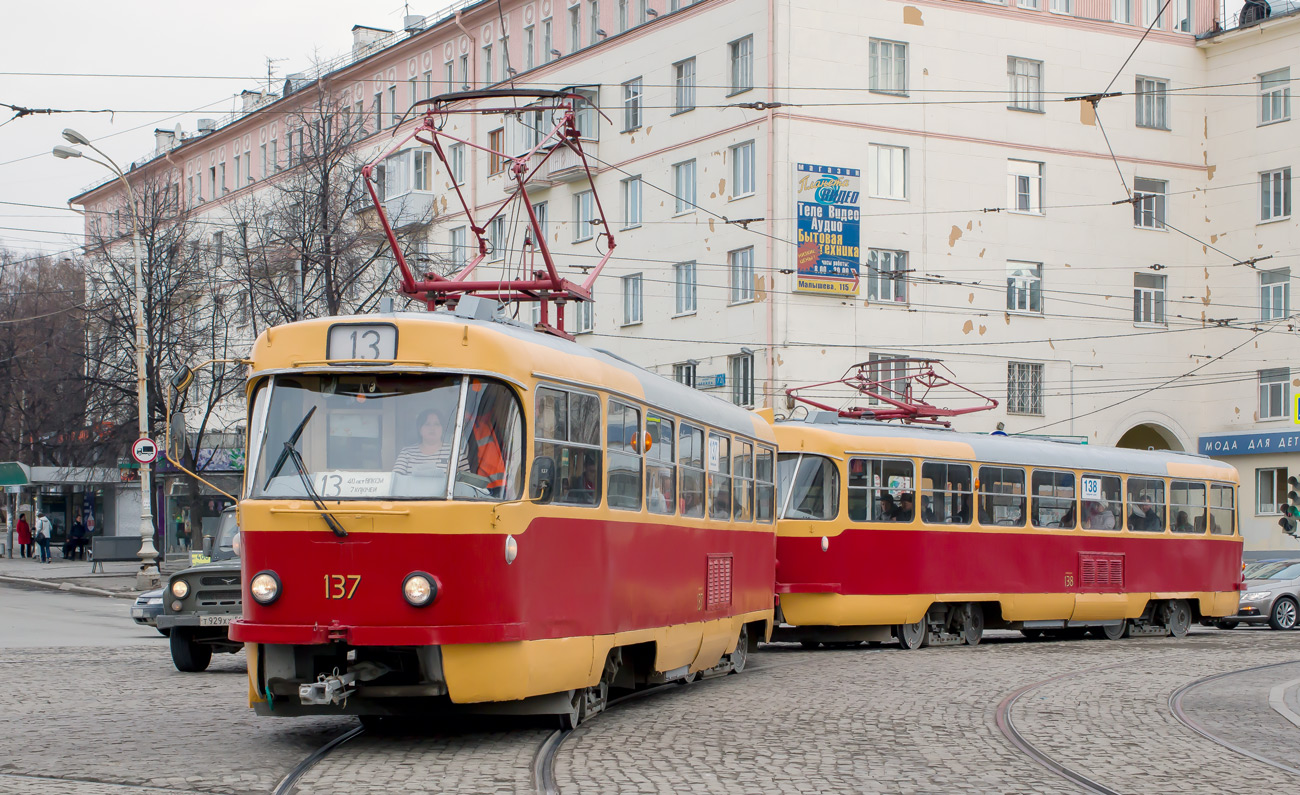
<point>445,510</point>
<point>929,535</point>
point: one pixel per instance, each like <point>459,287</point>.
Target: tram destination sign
<point>829,221</point>
<point>1249,443</point>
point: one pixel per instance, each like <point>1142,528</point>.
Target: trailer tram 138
<point>487,515</point>
<point>930,536</point>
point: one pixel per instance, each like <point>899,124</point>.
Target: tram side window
<point>1146,505</point>
<point>1053,504</point>
<point>877,487</point>
<point>743,485</point>
<point>567,432</point>
<point>1002,496</point>
<point>1107,512</point>
<point>1186,506</point>
<point>690,458</point>
<point>1223,519</point>
<point>764,488</point>
<point>491,464</point>
<point>624,440</point>
<point>947,497</point>
<point>810,487</point>
<point>660,469</point>
<point>719,476</point>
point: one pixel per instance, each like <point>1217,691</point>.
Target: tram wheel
<point>1115,632</point>
<point>1178,618</point>
<point>912,636</point>
<point>741,655</point>
<point>577,710</point>
<point>972,624</point>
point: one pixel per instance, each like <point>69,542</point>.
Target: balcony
<point>409,209</point>
<point>538,181</point>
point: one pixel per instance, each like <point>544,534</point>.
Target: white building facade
<point>986,216</point>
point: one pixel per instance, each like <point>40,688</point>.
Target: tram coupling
<point>332,689</point>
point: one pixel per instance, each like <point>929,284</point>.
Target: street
<point>96,706</point>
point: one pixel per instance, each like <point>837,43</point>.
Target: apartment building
<point>796,186</point>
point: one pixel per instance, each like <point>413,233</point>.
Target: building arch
<point>1151,430</point>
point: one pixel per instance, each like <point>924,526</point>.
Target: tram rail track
<point>1176,708</point>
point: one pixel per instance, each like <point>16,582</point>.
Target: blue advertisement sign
<point>1249,443</point>
<point>829,223</point>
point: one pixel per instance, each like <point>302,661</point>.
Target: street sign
<point>144,450</point>
<point>716,381</point>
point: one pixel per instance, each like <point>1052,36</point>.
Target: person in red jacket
<point>24,536</point>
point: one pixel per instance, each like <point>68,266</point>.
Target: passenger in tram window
<point>906,507</point>
<point>1097,516</point>
<point>1144,516</point>
<point>1068,519</point>
<point>927,510</point>
<point>962,514</point>
<point>888,510</point>
<point>1181,525</point>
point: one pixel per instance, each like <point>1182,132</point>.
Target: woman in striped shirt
<point>430,457</point>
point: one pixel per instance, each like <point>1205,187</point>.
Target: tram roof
<point>1013,450</point>
<point>657,391</point>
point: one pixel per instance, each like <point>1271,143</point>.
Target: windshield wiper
<point>288,446</point>
<point>293,455</point>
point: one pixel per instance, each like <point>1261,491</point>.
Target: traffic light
<point>1290,521</point>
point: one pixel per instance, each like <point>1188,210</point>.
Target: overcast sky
<point>231,39</point>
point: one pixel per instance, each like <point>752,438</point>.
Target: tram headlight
<point>180,589</point>
<point>1255,596</point>
<point>265,587</point>
<point>419,589</point>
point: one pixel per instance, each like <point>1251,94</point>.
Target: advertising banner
<point>826,205</point>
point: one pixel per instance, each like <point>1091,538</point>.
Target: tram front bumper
<point>316,634</point>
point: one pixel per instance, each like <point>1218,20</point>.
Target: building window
<point>459,248</point>
<point>464,72</point>
<point>631,105</point>
<point>487,65</point>
<point>1025,286</point>
<point>641,6</point>
<point>1152,103</point>
<point>586,317</point>
<point>1122,11</point>
<point>496,239</point>
<point>1152,12</point>
<point>496,160</point>
<point>530,47</point>
<point>1183,16</point>
<point>632,305</point>
<point>622,15</point>
<point>1275,194</point>
<point>742,170</point>
<point>1275,294</point>
<point>593,9</point>
<point>548,41</point>
<point>684,287</point>
<point>1270,490</point>
<point>888,66</point>
<point>1062,6</point>
<point>1149,209</point>
<point>887,275</point>
<point>1024,388</point>
<point>575,28</point>
<point>684,187</point>
<point>742,378</point>
<point>887,371</point>
<point>1026,79</point>
<point>887,175</point>
<point>742,65</point>
<point>394,116</point>
<point>1031,5</point>
<point>1275,96</point>
<point>684,85</point>
<point>413,92</point>
<point>1025,186</point>
<point>631,202</point>
<point>456,160</point>
<point>1148,298</point>
<point>684,373</point>
<point>1275,393</point>
<point>584,212</point>
<point>740,265</point>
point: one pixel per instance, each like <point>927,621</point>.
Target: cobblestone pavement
<point>861,720</point>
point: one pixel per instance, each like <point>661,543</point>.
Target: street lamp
<point>148,577</point>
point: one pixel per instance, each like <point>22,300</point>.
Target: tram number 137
<point>341,586</point>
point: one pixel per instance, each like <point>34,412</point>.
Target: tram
<point>930,536</point>
<point>452,510</point>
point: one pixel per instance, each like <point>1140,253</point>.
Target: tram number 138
<point>341,586</point>
<point>1069,579</point>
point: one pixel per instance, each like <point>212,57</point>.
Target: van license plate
<point>216,621</point>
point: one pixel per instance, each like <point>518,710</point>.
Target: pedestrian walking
<point>24,536</point>
<point>43,532</point>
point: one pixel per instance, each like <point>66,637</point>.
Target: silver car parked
<point>1271,595</point>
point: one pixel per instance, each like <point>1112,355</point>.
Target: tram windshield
<point>381,436</point>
